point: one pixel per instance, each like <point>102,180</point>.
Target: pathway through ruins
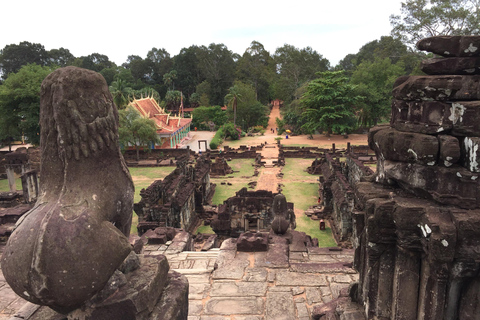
<point>268,176</point>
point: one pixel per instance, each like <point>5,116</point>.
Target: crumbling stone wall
<point>220,167</point>
<point>246,211</point>
<point>173,201</point>
<point>417,231</point>
<point>155,154</point>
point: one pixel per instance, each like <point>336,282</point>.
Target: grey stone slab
<point>199,264</point>
<point>232,270</point>
<point>299,299</point>
<point>297,290</point>
<point>324,258</point>
<point>336,288</point>
<point>321,267</point>
<point>198,278</point>
<point>193,318</point>
<point>229,244</point>
<point>198,291</point>
<point>186,264</point>
<point>296,256</point>
<point>238,289</point>
<point>325,291</point>
<point>255,274</point>
<point>343,257</point>
<point>271,275</point>
<point>195,307</point>
<point>234,305</point>
<point>313,295</point>
<point>277,256</point>
<point>225,257</point>
<point>286,278</point>
<point>280,289</point>
<point>302,311</point>
<point>343,278</point>
<point>280,306</point>
<point>248,318</point>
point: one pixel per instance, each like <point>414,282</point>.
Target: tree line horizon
<point>213,75</point>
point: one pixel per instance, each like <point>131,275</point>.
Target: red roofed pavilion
<point>170,129</point>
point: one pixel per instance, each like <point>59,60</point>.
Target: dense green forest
<point>213,75</point>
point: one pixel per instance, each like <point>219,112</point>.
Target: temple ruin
<point>176,200</point>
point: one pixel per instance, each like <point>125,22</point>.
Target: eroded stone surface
<point>280,306</point>
<point>76,234</point>
<point>228,306</point>
<point>451,46</point>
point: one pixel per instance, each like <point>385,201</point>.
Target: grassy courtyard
<point>299,187</point>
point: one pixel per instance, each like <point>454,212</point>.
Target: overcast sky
<point>334,28</point>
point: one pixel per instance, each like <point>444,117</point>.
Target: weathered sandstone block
<point>453,186</point>
<point>451,46</point>
<point>406,147</point>
<point>470,148</point>
<point>460,118</point>
<point>467,65</point>
<point>441,88</point>
<point>449,150</point>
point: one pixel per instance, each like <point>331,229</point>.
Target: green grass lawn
<point>296,169</point>
<point>302,194</point>
<point>245,169</point>
<point>205,229</point>
<point>4,185</point>
<point>312,228</point>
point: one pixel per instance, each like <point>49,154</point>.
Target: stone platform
<point>228,284</point>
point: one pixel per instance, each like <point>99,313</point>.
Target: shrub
<point>217,139</point>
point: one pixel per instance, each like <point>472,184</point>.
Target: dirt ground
<point>319,140</point>
<point>268,178</point>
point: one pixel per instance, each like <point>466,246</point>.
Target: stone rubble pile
<point>418,238</point>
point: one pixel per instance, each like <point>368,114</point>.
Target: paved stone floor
<point>226,284</point>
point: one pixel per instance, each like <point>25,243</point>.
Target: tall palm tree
<point>231,99</point>
<point>120,93</point>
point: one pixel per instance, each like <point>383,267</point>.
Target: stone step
<point>194,271</point>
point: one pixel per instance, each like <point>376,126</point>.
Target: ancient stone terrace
<point>289,281</point>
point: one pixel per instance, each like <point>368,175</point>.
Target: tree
<point>14,56</point>
<point>295,67</point>
<point>374,81</point>
<point>218,68</point>
<point>203,115</point>
<point>257,68</point>
<point>329,103</point>
<point>120,93</point>
<point>173,99</point>
<point>169,79</point>
<point>427,18</point>
<point>140,69</point>
<point>96,62</point>
<point>189,74</point>
<point>60,57</point>
<point>231,99</point>
<point>136,130</point>
<point>20,103</point>
<point>248,111</point>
